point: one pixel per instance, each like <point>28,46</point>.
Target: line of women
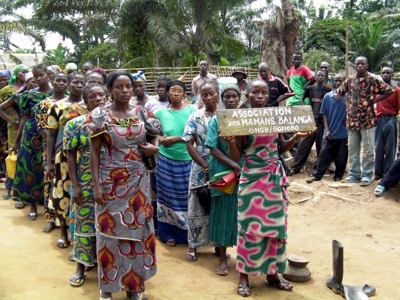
<point>97,158</point>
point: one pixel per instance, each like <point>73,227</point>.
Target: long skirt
<point>197,216</point>
<point>84,248</point>
<point>124,265</point>
<point>49,213</point>
<point>28,180</point>
<point>60,197</point>
<point>223,220</point>
<point>260,255</point>
<point>172,192</point>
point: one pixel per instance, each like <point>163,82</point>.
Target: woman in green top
<point>223,214</point>
<point>173,167</point>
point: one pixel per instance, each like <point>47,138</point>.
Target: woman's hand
<point>168,141</point>
<point>50,171</point>
<point>77,196</point>
<point>15,124</point>
<point>14,147</point>
<point>100,196</point>
<point>237,169</point>
<point>148,149</point>
<point>303,134</point>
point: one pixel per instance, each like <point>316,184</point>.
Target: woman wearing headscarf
<point>17,80</point>
<point>223,213</point>
<point>15,85</point>
<point>4,78</point>
<point>173,167</point>
<point>139,88</point>
<point>71,67</point>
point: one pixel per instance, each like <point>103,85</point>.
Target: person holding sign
<point>262,190</point>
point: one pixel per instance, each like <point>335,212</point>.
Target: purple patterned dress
<point>262,207</point>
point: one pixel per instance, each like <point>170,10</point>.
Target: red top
<point>389,106</point>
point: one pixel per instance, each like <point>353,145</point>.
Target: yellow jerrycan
<point>11,164</point>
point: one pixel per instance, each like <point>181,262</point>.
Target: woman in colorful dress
<point>60,85</point>
<point>28,181</point>
<point>223,213</point>
<point>195,134</point>
<point>78,152</point>
<point>262,200</point>
<point>125,232</point>
<point>57,167</point>
<point>15,85</point>
<point>173,167</point>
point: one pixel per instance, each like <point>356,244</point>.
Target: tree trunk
<point>279,36</point>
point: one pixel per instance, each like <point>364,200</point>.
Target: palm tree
<point>191,30</point>
<point>10,22</point>
<point>373,40</point>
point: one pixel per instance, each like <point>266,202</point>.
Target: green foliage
<point>314,57</point>
<point>323,34</point>
<point>373,40</point>
<point>105,54</point>
<point>59,56</point>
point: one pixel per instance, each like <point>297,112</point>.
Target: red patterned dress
<point>262,208</point>
<point>125,232</point>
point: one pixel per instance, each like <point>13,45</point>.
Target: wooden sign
<point>265,120</point>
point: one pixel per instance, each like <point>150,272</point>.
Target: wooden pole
<point>346,60</point>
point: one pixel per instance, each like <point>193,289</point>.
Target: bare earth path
<point>32,267</point>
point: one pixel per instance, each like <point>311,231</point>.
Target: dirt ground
<point>368,228</point>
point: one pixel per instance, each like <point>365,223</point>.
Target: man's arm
<point>285,91</point>
<point>305,95</point>
<point>385,90</point>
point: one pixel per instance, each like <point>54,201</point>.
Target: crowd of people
<point>115,167</point>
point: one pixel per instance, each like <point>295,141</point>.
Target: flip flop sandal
<point>243,290</point>
<point>280,284</point>
<point>171,243</point>
<point>365,181</point>
<point>191,256</point>
<point>351,179</point>
<point>77,280</point>
<point>222,271</point>
<point>31,216</point>
<point>19,205</point>
<point>62,244</point>
<point>48,227</point>
<point>6,196</point>
<point>379,190</point>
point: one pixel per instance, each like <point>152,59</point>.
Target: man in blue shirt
<point>335,145</point>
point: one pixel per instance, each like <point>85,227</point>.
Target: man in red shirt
<point>386,131</point>
<point>299,77</point>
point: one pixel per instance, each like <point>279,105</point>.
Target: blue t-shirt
<point>335,112</point>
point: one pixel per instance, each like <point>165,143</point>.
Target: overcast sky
<point>53,39</point>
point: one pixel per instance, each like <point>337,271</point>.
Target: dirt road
<point>368,227</point>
